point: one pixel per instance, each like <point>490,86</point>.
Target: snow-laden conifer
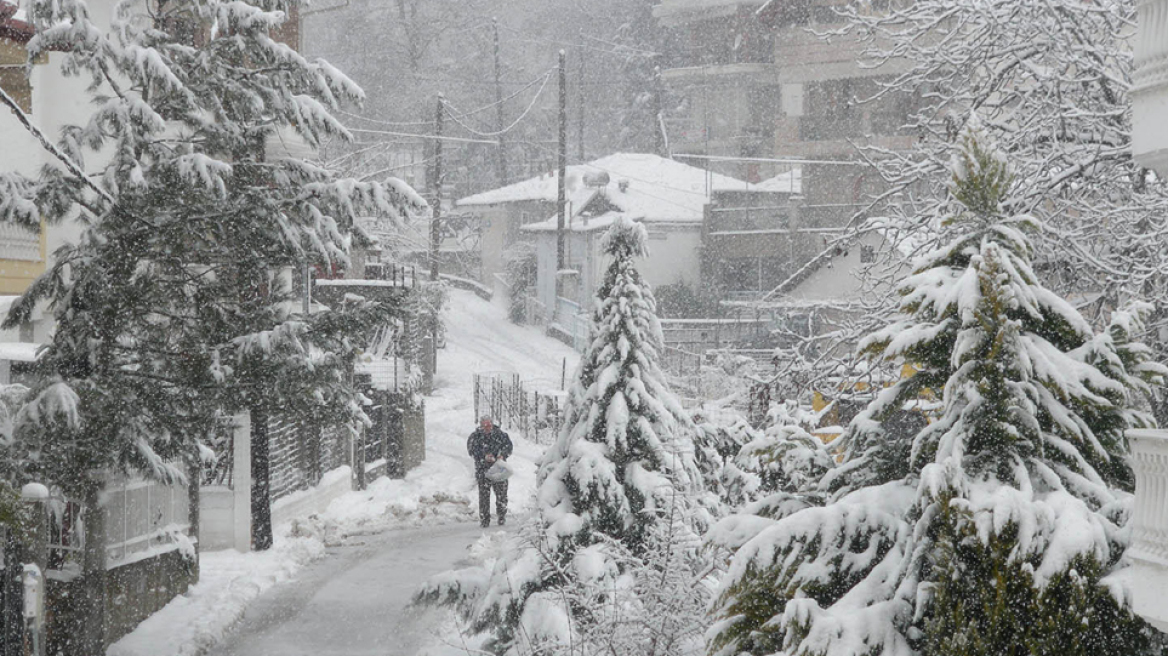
<point>994,529</point>
<point>612,494</point>
<point>171,306</point>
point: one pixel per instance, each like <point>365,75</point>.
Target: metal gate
<point>536,414</point>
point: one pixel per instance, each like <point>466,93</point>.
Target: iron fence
<point>521,406</point>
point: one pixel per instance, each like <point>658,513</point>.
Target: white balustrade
<point>1149,538</point>
<point>1149,92</point>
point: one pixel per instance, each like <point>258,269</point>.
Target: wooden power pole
<point>563,171</point>
<point>501,152</point>
<point>436,217</point>
<point>580,110</point>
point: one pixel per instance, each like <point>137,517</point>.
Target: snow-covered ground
<point>369,570</point>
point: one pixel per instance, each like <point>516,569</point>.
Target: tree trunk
<point>261,488</point>
<point>195,482</point>
<point>90,632</point>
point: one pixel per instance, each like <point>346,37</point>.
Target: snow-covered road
<point>339,583</point>
<point>353,602</point>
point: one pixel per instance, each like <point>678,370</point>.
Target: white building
<point>659,190</point>
<point>668,196</point>
<point>1148,576</point>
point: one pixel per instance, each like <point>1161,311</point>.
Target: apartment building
<point>756,82</point>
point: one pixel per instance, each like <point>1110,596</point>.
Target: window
<point>867,254</point>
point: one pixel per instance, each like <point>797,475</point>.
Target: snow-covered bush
<point>613,492</point>
<point>995,528</point>
<point>519,265</point>
<point>718,437</point>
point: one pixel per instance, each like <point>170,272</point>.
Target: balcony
<point>1149,539</point>
<point>1150,87</point>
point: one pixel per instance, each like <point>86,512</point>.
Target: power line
<point>526,86</point>
<point>424,136</point>
<point>719,158</point>
<point>639,190</point>
<point>514,123</point>
<point>382,122</point>
<point>378,172</point>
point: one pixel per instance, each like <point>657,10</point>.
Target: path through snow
<point>339,583</point>
<point>353,603</point>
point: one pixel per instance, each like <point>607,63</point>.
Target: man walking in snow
<point>487,444</point>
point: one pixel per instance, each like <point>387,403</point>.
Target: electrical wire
<point>381,122</point>
<point>424,136</point>
<point>421,162</point>
<point>547,76</point>
<point>772,160</point>
<point>525,87</point>
<point>634,178</point>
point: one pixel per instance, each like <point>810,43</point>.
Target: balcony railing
<point>19,243</point>
<point>1150,86</point>
<point>1149,538</point>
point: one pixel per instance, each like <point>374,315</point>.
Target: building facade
<point>762,94</point>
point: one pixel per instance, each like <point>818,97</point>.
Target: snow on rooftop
<point>577,224</point>
<point>669,8</point>
<point>649,187</point>
<point>790,182</point>
<point>12,12</point>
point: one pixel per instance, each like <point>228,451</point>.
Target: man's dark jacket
<point>480,443</point>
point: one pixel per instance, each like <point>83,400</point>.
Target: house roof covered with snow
<point>790,182</point>
<point>644,186</point>
<point>671,8</point>
<point>577,224</point>
<point>14,23</point>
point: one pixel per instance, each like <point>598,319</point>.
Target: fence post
<point>91,621</point>
<point>358,459</point>
<point>241,481</point>
<point>194,484</point>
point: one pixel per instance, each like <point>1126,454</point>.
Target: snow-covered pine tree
<point>616,481</point>
<point>994,529</point>
<point>171,306</point>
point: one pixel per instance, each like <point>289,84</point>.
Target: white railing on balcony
<point>1149,538</point>
<point>1149,92</point>
<point>1151,47</point>
<point>1150,519</point>
<point>19,243</point>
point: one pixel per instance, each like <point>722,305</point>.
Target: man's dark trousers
<point>485,500</point>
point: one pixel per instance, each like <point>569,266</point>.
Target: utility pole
<point>436,217</point>
<point>580,102</point>
<point>501,152</point>
<point>563,171</point>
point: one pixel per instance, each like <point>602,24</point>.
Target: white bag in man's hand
<point>498,472</point>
